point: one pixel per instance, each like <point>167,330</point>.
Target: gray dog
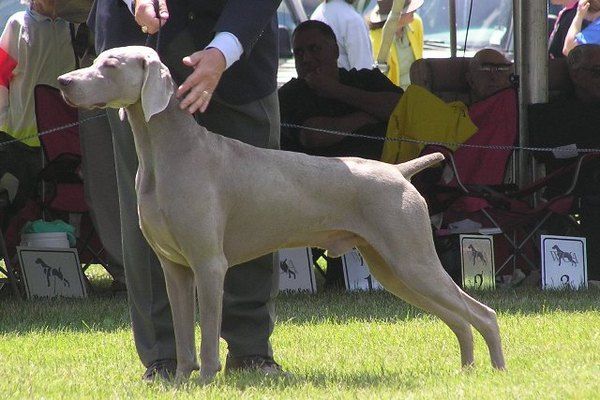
<point>241,202</point>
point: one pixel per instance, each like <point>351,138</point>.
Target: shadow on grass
<point>339,306</point>
<point>108,314</point>
<point>322,378</point>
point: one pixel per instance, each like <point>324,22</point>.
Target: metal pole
<point>452,21</point>
<point>532,62</point>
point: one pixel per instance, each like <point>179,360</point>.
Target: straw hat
<point>383,8</point>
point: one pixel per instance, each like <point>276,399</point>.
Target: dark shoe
<point>160,369</point>
<point>261,364</point>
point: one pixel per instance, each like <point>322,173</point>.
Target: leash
<point>160,24</point>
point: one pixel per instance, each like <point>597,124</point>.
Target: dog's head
<point>118,78</point>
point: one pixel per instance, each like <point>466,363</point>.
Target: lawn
<point>336,345</point>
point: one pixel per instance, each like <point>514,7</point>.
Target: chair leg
<point>316,254</point>
<point>84,245</point>
<point>9,270</point>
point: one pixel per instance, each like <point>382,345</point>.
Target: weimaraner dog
<point>207,202</point>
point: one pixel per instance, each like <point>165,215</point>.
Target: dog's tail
<point>409,168</point>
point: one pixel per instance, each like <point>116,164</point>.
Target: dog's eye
<point>110,63</point>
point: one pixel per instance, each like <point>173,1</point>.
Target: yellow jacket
<point>415,38</point>
<point>421,115</point>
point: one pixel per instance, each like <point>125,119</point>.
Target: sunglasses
<point>489,67</point>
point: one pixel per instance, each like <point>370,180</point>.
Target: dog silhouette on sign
<point>563,255</point>
<point>476,255</point>
<point>52,272</point>
<point>287,267</point>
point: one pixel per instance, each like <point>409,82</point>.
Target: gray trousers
<point>248,313</point>
<point>100,186</point>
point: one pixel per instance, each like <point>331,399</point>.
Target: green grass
<point>336,345</point>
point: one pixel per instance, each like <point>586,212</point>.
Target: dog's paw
<point>206,377</point>
<point>182,375</point>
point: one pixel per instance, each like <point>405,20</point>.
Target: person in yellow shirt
<point>407,45</point>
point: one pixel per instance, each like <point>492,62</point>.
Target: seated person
<point>422,116</point>
<point>587,10</point>
<point>494,111</point>
<point>327,97</point>
<point>489,73</point>
<point>574,119</point>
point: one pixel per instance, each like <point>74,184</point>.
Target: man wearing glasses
<point>489,73</point>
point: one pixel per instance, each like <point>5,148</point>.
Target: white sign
<point>295,270</point>
<point>564,262</point>
<point>356,273</point>
<point>477,261</point>
<point>51,272</point>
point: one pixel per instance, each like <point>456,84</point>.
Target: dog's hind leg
<point>458,325</point>
<point>180,289</point>
<point>210,277</point>
<point>434,283</point>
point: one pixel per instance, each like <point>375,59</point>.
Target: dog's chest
<point>156,227</point>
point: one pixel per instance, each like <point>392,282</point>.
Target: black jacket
<point>191,26</point>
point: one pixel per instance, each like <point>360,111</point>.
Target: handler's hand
<point>198,88</point>
<point>145,15</point>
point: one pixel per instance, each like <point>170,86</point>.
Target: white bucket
<point>46,239</point>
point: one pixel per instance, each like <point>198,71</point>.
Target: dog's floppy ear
<point>157,87</point>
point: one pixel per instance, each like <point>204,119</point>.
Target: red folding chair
<point>63,191</point>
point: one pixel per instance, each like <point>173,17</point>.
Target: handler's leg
<point>100,185</point>
<point>248,312</point>
<point>148,302</point>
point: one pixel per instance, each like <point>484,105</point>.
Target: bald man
<point>489,73</point>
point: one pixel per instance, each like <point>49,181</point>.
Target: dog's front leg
<point>180,288</point>
<point>210,277</point>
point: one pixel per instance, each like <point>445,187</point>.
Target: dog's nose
<point>64,81</point>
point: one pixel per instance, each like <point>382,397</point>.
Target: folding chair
<point>512,215</point>
<point>63,192</point>
<point>476,194</point>
<point>7,270</point>
<point>483,168</point>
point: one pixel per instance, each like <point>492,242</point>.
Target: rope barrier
<point>445,144</point>
<point>52,130</point>
<point>339,133</point>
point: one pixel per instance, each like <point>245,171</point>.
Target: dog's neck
<point>172,124</point>
<point>173,128</point>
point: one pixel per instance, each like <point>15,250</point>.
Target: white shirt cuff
<point>229,45</point>
<point>129,4</point>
